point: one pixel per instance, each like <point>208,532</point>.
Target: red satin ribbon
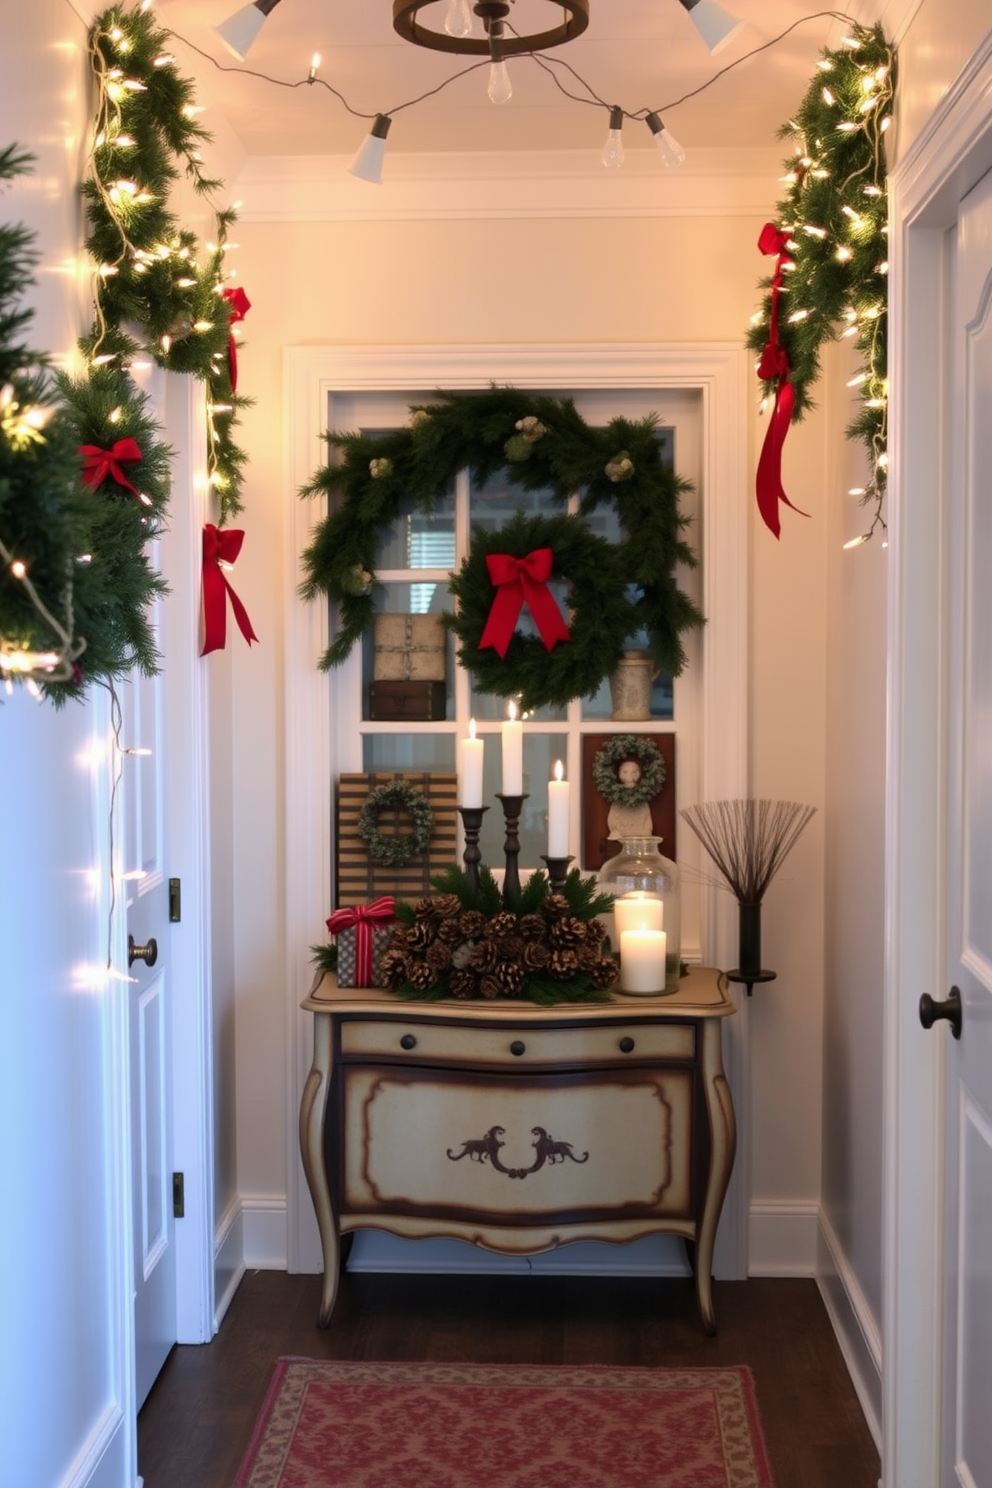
<point>363,920</point>
<point>517,580</point>
<point>240,305</point>
<point>774,365</point>
<point>221,545</point>
<point>99,463</point>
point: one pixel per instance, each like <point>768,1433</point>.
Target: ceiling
<point>641,54</point>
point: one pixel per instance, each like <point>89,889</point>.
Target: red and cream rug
<point>327,1424</point>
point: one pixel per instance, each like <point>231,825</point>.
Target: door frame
<point>718,372</point>
<point>951,154</point>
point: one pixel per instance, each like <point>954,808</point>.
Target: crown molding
<point>540,184</point>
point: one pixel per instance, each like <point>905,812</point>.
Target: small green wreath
<point>396,850</point>
<point>600,617</point>
<point>618,751</point>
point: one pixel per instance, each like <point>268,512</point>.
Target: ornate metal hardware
<point>147,953</point>
<point>547,1150</point>
<point>931,1012</point>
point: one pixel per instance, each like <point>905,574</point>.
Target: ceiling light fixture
<point>240,30</point>
<point>492,13</point>
<point>715,25</point>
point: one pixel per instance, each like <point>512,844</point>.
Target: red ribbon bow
<point>99,463</point>
<point>775,364</point>
<point>240,305</point>
<point>517,580</point>
<point>221,546</point>
<point>363,920</point>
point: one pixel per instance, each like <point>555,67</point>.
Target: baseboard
<point>229,1258</point>
<point>856,1329</point>
<point>655,1255</point>
<point>98,1463</point>
<point>264,1233</point>
<point>782,1239</point>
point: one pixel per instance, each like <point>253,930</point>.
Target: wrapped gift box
<point>347,944</point>
<point>408,648</point>
<point>362,934</point>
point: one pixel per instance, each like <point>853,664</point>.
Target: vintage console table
<point>519,1128</point>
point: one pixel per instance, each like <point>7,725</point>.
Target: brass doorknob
<point>931,1012</point>
<point>147,953</point>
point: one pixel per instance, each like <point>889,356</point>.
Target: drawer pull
<point>408,1041</point>
<point>626,1045</point>
<point>518,1047</point>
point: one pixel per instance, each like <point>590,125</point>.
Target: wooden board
<point>358,878</point>
<point>597,846</point>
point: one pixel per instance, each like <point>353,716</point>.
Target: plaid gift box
<point>363,934</point>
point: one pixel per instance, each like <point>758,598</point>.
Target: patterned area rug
<point>344,1425</point>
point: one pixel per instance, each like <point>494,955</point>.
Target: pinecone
<point>484,956</point>
<point>392,968</point>
<point>421,976</point>
<point>438,956</point>
<point>588,956</point>
<point>463,984</point>
<point>605,972</point>
<point>536,955</point>
<point>511,977</point>
<point>531,927</point>
<point>400,938</point>
<point>595,932</point>
<point>424,909</point>
<point>489,987</point>
<point>421,935</point>
<point>511,947</point>
<point>450,932</point>
<point>503,924</point>
<point>563,965</point>
<point>567,933</point>
<point>472,924</point>
<point>556,905</point>
<point>447,905</point>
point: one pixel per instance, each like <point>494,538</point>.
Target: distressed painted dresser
<point>519,1128</point>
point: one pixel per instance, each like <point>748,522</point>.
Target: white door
<point>966,1448</point>
<point>146,887</point>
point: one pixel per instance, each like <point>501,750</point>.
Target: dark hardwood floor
<point>195,1426</point>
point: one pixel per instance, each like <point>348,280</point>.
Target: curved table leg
<point>313,1111</point>
<point>723,1145</point>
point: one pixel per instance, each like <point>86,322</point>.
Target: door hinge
<point>178,1196</point>
<point>175,901</point>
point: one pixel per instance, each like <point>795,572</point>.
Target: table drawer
<point>419,1141</point>
<point>517,1044</point>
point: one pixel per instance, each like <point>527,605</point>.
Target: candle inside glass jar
<point>642,960</point>
<point>638,911</point>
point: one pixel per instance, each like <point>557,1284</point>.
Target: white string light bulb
<point>612,155</point>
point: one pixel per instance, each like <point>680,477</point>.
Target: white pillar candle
<point>642,960</point>
<point>473,750</point>
<point>513,754</point>
<point>638,911</point>
<point>558,814</point>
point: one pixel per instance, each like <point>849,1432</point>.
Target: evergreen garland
<point>541,443</point>
<point>835,212</point>
<point>74,580</point>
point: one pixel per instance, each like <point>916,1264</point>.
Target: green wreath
<point>540,444</point>
<point>600,617</point>
<point>396,850</point>
<point>606,765</point>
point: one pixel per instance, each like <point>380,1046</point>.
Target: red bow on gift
<point>517,580</point>
<point>775,364</point>
<point>221,546</point>
<point>363,919</point>
<point>240,305</point>
<point>99,463</point>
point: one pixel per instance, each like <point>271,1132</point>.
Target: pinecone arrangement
<point>542,950</point>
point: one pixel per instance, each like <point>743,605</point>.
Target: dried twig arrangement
<point>748,840</point>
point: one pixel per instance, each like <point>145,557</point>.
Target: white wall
<point>64,1353</point>
<point>524,279</point>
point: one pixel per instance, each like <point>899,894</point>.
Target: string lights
<point>834,214</point>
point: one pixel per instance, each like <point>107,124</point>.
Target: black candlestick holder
<point>512,806</point>
<point>472,856</point>
<point>750,971</point>
<point>557,871</point>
